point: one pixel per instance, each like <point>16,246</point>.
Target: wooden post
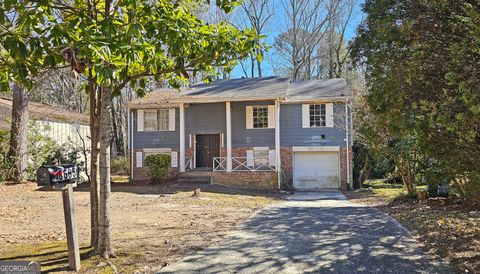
<point>228,116</point>
<point>182,137</point>
<point>278,160</point>
<point>71,226</point>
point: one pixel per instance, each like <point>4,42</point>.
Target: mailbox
<point>59,174</point>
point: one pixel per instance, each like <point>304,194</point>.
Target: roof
<point>42,112</point>
<point>245,89</point>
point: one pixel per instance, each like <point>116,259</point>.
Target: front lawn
<point>152,226</point>
<point>448,228</point>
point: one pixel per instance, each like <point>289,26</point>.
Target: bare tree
<point>255,14</point>
<point>57,87</point>
<point>339,51</point>
<point>299,47</point>
<point>18,133</point>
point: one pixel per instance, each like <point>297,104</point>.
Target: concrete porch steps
<point>195,176</point>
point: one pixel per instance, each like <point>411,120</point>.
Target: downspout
<point>347,127</point>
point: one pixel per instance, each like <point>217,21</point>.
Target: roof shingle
<point>267,88</point>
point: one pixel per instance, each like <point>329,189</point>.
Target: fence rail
<point>188,163</point>
<point>243,164</point>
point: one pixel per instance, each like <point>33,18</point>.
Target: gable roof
<point>42,112</point>
<point>245,89</point>
<point>268,87</point>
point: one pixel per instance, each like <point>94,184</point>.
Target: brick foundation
<point>264,180</point>
<point>287,167</point>
<point>343,167</point>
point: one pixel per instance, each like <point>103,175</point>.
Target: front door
<point>207,146</point>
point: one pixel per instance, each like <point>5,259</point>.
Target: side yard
<point>447,227</point>
<point>152,225</point>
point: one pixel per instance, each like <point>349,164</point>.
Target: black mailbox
<point>59,174</point>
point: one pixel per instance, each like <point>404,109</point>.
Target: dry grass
<point>152,226</point>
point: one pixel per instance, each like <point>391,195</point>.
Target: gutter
<point>347,141</point>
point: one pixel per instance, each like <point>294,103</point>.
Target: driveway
<point>314,233</point>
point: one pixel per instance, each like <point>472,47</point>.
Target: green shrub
<point>157,165</point>
<point>41,149</point>
<point>119,166</point>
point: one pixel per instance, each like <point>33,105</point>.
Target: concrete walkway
<point>318,232</point>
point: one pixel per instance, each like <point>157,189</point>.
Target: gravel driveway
<point>314,233</point>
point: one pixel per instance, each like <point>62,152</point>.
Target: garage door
<point>315,170</point>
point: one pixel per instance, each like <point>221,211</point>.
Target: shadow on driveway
<point>322,236</point>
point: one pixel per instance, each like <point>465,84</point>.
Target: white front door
<point>316,170</point>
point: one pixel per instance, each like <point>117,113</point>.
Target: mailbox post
<point>64,178</point>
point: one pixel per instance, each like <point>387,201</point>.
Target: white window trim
<point>329,117</point>
<point>140,120</point>
<point>170,121</point>
<point>270,116</point>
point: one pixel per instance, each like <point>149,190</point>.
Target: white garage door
<point>314,170</point>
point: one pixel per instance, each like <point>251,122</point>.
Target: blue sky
<point>278,25</point>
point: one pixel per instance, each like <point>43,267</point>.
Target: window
<point>156,119</point>
<point>317,115</point>
<point>260,117</point>
<point>260,156</point>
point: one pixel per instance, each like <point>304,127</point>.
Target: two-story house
<point>265,133</point>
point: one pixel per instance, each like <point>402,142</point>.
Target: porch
<point>210,147</point>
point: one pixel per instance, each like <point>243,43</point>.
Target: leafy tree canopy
<point>423,79</point>
<point>115,42</point>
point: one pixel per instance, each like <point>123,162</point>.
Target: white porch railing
<point>188,163</point>
<point>243,164</point>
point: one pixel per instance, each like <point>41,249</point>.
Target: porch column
<point>182,137</point>
<point>229,136</point>
<point>278,160</point>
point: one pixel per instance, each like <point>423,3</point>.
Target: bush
<point>157,165</point>
<point>41,149</point>
<point>119,166</point>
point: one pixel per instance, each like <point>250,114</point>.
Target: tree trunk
<point>259,66</point>
<point>104,247</point>
<point>117,132</point>
<point>252,60</point>
<point>18,134</point>
<point>94,158</point>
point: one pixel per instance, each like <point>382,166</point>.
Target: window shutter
<point>139,158</point>
<point>249,117</point>
<point>305,115</point>
<point>140,120</point>
<point>250,159</point>
<point>171,119</point>
<point>271,116</point>
<point>174,159</point>
<point>271,157</point>
<point>329,114</point>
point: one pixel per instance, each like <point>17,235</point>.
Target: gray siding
<point>156,139</point>
<point>243,137</point>
<point>292,133</point>
<point>210,119</point>
<point>204,119</point>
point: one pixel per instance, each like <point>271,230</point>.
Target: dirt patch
<point>151,225</point>
<point>449,228</point>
